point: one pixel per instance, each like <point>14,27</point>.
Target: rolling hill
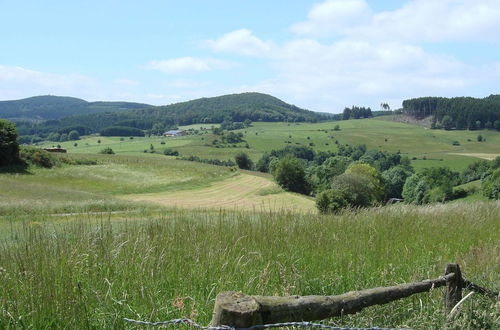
<point>54,107</point>
<point>236,107</point>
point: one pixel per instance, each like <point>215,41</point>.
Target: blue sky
<point>320,55</point>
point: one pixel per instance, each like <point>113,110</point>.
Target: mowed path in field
<point>477,155</point>
<point>240,192</point>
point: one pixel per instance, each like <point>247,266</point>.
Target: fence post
<point>453,293</point>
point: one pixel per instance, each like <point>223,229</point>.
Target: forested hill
<point>457,112</point>
<point>55,107</point>
<point>236,107</point>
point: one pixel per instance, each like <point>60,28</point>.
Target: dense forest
<point>458,112</point>
<point>55,107</point>
<point>235,107</point>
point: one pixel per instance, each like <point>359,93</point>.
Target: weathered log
<point>241,311</point>
<point>453,293</point>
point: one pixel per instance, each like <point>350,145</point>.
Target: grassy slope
<point>92,272</point>
<point>415,141</point>
<point>165,181</point>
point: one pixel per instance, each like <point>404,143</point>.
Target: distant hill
<point>55,107</point>
<point>235,107</point>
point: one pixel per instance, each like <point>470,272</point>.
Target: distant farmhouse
<point>176,132</point>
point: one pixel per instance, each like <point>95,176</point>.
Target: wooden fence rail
<point>242,311</point>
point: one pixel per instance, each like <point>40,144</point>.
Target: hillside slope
<point>55,107</point>
<point>237,107</point>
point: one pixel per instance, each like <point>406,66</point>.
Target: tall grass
<point>92,272</point>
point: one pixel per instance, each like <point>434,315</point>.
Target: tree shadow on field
<point>20,168</point>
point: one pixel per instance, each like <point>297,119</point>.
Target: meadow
<point>426,147</point>
<point>90,271</point>
<point>145,236</point>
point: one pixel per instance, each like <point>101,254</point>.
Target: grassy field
<point>145,236</point>
<point>89,271</point>
<point>429,147</point>
<point>117,179</point>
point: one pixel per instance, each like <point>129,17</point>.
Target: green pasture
<point>93,187</point>
<point>92,270</point>
<point>429,147</point>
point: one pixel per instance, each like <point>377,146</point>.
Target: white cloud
<point>417,20</point>
<point>332,17</point>
<point>434,21</point>
<point>189,64</point>
<point>17,82</point>
<point>241,42</point>
<point>331,76</point>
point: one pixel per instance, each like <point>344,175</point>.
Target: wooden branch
<point>241,311</point>
<point>478,289</point>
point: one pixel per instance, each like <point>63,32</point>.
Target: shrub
<point>37,157</point>
<point>331,201</point>
<point>289,173</point>
<point>357,189</point>
<point>107,151</point>
<point>9,149</point>
<point>456,143</point>
<point>479,138</point>
<point>491,185</point>
<point>243,161</point>
<point>170,152</point>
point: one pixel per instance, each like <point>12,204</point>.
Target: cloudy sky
<point>320,55</point>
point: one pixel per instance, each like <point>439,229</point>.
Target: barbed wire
<point>263,326</point>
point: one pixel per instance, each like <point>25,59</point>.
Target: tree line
<point>353,176</point>
<point>457,112</point>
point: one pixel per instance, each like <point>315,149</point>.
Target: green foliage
<point>332,201</point>
<point>321,176</point>
<point>9,149</point>
<point>107,151</point>
<point>430,185</point>
<point>395,179</point>
<point>290,174</point>
<point>55,137</point>
<point>121,131</point>
<point>447,122</point>
<point>491,185</point>
<point>170,152</point>
<point>356,189</point>
<point>480,138</point>
<point>457,112</point>
<point>372,175</point>
<point>235,107</point>
<point>475,171</point>
<point>232,137</point>
<point>37,157</point>
<point>54,107</point>
<point>73,135</point>
<point>356,113</point>
<point>243,161</point>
